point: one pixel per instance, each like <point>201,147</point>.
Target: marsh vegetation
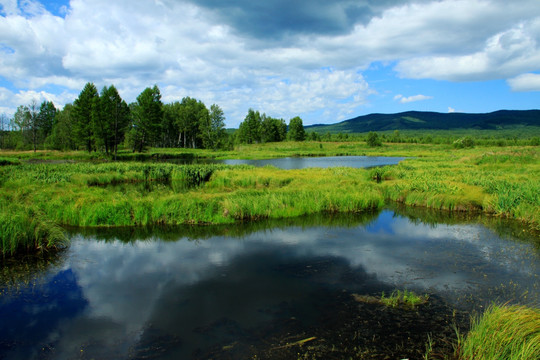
<point>48,194</point>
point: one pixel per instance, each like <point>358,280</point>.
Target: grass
<point>49,190</point>
<point>403,298</point>
<point>505,333</point>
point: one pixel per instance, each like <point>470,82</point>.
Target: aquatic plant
<point>404,298</point>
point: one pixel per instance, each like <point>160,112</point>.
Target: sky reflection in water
<point>111,298</point>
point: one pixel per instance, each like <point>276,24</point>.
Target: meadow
<point>41,192</point>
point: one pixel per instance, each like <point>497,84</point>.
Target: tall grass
<point>503,333</point>
<point>27,230</point>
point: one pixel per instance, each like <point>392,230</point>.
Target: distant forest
<point>104,121</point>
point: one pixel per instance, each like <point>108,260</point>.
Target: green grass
<point>403,298</point>
<point>503,333</point>
<point>500,181</point>
<point>27,230</point>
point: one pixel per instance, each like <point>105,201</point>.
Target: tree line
<point>103,121</point>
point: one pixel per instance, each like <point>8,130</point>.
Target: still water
<point>291,163</point>
<point>233,292</point>
<point>321,162</point>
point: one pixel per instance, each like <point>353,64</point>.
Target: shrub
<point>373,139</point>
<point>464,142</point>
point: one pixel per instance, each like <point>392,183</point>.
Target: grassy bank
<point>46,194</point>
<point>503,332</point>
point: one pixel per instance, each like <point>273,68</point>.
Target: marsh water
<point>290,163</point>
<point>275,290</point>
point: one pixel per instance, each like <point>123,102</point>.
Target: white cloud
<point>11,100</point>
<point>504,54</point>
<point>525,82</point>
<point>408,99</point>
<point>193,50</point>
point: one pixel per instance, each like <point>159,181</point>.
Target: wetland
<point>161,260</point>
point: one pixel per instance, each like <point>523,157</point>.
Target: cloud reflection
<point>191,294</point>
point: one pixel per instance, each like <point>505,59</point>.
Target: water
<point>290,163</point>
<point>321,162</point>
<point>231,292</point>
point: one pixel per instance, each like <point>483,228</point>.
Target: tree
<point>249,131</point>
<point>26,119</point>
<point>192,119</point>
<point>63,137</point>
<point>147,115</point>
<point>114,116</point>
<point>33,122</point>
<point>373,139</point>
<point>3,132</point>
<point>273,130</point>
<point>313,136</point>
<point>84,116</point>
<point>296,129</point>
<point>212,128</point>
<point>46,119</point>
<point>170,134</point>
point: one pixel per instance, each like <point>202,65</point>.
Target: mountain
<point>416,120</point>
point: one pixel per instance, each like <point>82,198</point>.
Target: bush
<point>464,142</point>
<point>373,139</point>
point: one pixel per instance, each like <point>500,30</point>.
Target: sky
<point>325,61</point>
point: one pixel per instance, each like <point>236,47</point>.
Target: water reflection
<point>290,163</point>
<point>321,162</point>
<point>182,293</point>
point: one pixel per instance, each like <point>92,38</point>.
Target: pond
<point>276,290</point>
<point>290,163</point>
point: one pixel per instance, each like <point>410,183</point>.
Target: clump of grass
<point>7,161</point>
<point>27,230</point>
<point>404,298</point>
<point>503,332</point>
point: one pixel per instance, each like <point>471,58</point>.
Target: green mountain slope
<point>419,120</point>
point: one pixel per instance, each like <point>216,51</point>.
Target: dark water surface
<point>279,290</point>
<point>290,163</point>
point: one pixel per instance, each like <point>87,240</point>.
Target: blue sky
<point>326,61</point>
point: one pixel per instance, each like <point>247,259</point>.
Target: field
<point>44,191</point>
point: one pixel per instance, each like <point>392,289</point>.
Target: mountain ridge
<point>428,120</point>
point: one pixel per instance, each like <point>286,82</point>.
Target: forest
<point>103,121</point>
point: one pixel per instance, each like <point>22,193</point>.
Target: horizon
<point>325,62</point>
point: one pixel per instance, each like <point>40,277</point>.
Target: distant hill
<point>420,120</point>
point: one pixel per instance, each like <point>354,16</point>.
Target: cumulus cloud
<point>272,56</point>
<point>283,19</point>
<point>404,100</point>
<point>525,82</point>
<point>11,100</point>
